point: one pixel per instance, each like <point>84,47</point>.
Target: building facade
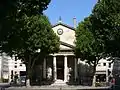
<point>4,67</point>
<point>16,67</point>
<point>104,70</point>
<point>62,65</point>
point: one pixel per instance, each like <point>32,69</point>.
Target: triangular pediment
<point>64,25</point>
<point>66,34</point>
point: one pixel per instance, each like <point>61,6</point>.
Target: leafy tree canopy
<point>87,46</point>
<point>36,34</point>
<point>28,7</point>
<point>14,10</point>
<point>106,20</point>
<point>24,30</point>
<point>98,36</point>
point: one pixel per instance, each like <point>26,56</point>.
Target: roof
<point>65,25</point>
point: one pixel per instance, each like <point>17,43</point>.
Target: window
<point>20,64</point>
<point>104,64</point>
<point>109,65</point>
<point>15,66</point>
<point>11,74</point>
<point>16,58</point>
<point>99,64</point>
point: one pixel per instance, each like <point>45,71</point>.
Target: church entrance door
<point>60,68</point>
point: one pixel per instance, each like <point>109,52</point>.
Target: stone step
<point>58,82</point>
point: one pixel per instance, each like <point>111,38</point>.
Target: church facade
<point>62,65</point>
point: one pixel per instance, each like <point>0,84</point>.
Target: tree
<point>88,47</point>
<point>13,10</point>
<point>29,7</point>
<point>36,34</point>
<point>106,20</point>
<point>27,34</point>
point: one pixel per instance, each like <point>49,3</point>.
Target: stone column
<point>65,69</point>
<point>54,68</point>
<point>76,74</point>
<point>107,76</point>
<point>44,68</point>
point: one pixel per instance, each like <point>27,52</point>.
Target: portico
<point>60,70</point>
<point>63,67</point>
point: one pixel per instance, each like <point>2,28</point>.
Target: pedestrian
<point>112,83</point>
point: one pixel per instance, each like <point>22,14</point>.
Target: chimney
<point>74,22</point>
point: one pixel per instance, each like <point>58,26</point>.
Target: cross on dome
<point>60,20</point>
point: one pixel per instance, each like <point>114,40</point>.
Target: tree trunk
<point>29,69</point>
<point>94,80</point>
<point>28,82</point>
<point>28,75</point>
<point>94,75</point>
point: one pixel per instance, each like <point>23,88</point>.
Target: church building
<point>62,66</point>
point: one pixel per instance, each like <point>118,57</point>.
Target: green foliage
<point>24,30</point>
<point>103,25</point>
<point>28,7</point>
<point>87,46</point>
<point>106,20</point>
<point>98,36</point>
<point>12,12</point>
<point>84,37</point>
<point>36,34</point>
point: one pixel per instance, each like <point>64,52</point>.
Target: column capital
<point>65,55</point>
<point>54,55</point>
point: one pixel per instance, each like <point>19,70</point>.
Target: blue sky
<point>68,9</point>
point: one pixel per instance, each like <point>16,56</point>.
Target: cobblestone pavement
<point>58,88</point>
